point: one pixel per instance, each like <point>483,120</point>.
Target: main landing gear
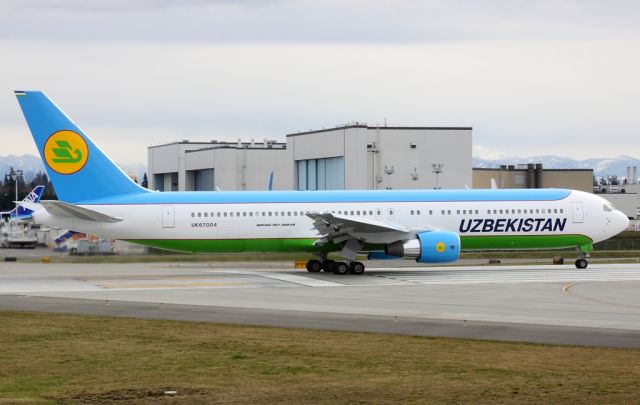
<point>340,268</point>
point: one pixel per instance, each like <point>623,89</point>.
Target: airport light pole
<point>437,168</point>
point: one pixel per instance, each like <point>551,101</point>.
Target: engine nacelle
<point>429,247</point>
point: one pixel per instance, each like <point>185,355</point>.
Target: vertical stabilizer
<point>78,169</point>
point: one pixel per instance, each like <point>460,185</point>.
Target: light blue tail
<point>78,169</point>
<point>20,212</point>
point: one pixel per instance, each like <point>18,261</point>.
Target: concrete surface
<point>552,304</point>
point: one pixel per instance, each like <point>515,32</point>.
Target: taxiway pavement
<point>541,303</point>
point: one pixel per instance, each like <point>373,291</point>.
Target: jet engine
<point>428,247</point>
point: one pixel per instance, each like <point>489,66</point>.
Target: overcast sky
<point>530,77</point>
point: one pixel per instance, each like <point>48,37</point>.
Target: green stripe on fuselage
<point>307,244</point>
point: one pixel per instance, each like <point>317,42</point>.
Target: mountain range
<point>617,166</point>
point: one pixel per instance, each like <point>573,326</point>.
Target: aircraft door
<point>577,212</point>
<point>168,216</point>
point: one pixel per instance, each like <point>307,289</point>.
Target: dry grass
<point>79,359</point>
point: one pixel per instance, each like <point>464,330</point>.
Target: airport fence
<point>618,244</point>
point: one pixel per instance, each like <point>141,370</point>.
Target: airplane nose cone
<point>620,222</point>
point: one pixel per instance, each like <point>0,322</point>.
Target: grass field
<point>77,359</point>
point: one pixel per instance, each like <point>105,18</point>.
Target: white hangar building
<point>350,157</point>
<point>360,157</point>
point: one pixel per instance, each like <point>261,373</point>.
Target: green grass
<point>79,359</point>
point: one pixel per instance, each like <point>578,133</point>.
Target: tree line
<point>8,188</point>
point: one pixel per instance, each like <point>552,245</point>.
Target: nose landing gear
<point>582,263</point>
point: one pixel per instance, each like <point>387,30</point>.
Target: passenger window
<point>351,212</point>
<point>193,214</point>
<point>206,214</point>
<point>561,210</point>
<point>411,212</point>
<point>448,212</point>
<point>430,212</point>
<point>270,213</point>
<point>225,214</point>
<point>251,214</point>
<point>199,214</point>
<point>244,214</point>
<point>370,212</point>
<point>457,212</point>
<point>418,212</point>
<point>442,212</point>
<point>358,212</point>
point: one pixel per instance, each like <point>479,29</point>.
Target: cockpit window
<point>607,207</point>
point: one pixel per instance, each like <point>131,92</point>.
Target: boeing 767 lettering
<point>430,226</point>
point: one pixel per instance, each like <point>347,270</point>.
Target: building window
<point>321,174</point>
<point>158,182</point>
<point>203,180</point>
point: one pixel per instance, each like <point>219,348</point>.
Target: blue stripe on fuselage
<point>347,196</point>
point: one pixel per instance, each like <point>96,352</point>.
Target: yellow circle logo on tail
<point>66,152</point>
<point>440,247</point>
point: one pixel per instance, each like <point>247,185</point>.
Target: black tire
<point>341,268</point>
<point>327,265</point>
<point>582,263</point>
<point>356,268</point>
<point>314,266</point>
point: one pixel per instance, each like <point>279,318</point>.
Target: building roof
<point>357,125</point>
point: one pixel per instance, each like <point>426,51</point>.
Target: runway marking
<point>181,285</point>
<point>509,276</point>
<point>565,291</point>
<point>307,281</point>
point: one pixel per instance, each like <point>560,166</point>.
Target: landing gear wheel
<point>582,263</point>
<point>314,266</point>
<point>356,268</point>
<point>327,265</point>
<point>341,268</point>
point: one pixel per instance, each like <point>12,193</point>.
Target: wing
<point>354,232</point>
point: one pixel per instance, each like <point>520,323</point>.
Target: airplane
<point>429,226</point>
<point>20,212</point>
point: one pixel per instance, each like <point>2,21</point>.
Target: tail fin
<point>78,169</point>
<point>21,212</point>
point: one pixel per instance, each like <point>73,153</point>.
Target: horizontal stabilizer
<point>64,209</point>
